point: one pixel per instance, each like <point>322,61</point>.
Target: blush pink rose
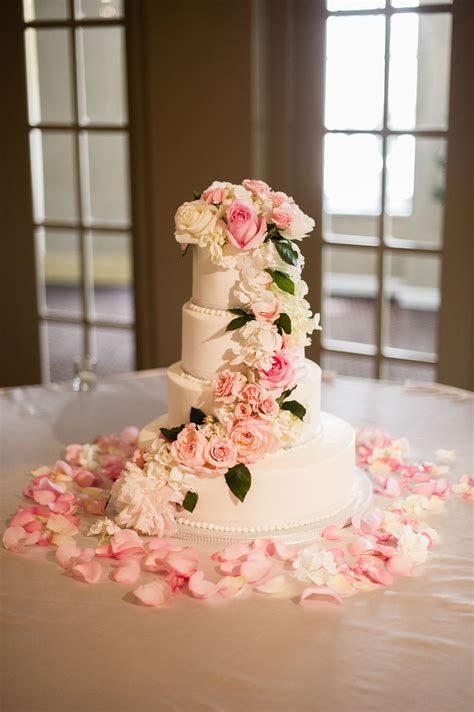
<point>253,440</point>
<point>221,453</point>
<point>278,197</point>
<point>243,410</point>
<point>227,386</point>
<point>267,309</point>
<point>281,374</point>
<point>214,195</point>
<point>244,228</point>
<point>256,186</point>
<point>268,408</point>
<point>188,448</point>
<point>281,218</point>
<point>252,393</point>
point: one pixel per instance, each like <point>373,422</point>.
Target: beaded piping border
<point>207,310</point>
<point>266,528</point>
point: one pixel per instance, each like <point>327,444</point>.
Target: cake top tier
<point>247,260</point>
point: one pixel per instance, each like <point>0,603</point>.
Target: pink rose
<point>188,448</point>
<point>268,408</point>
<point>281,374</point>
<point>281,218</point>
<point>243,410</point>
<point>267,308</point>
<point>244,228</point>
<point>278,197</point>
<point>227,386</point>
<point>252,394</point>
<point>214,196</point>
<point>256,186</point>
<point>221,453</point>
<point>253,440</point>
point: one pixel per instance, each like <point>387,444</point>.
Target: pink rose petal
<point>255,569</point>
<point>14,538</point>
<point>153,594</point>
<point>332,533</point>
<point>200,588</point>
<point>231,568</point>
<point>183,562</point>
<point>235,551</point>
<point>67,555</point>
<point>128,572</point>
<point>360,545</point>
<point>320,593</point>
<point>231,586</point>
<point>399,565</point>
<point>89,572</point>
<point>285,552</point>
<point>273,585</point>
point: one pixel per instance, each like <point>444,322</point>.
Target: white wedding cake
<point>244,447</point>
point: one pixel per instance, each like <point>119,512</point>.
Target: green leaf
<point>239,322</point>
<point>283,323</point>
<point>239,312</point>
<point>190,501</point>
<point>197,416</point>
<point>295,408</point>
<point>185,250</point>
<point>285,395</point>
<point>282,280</point>
<point>286,251</point>
<point>172,433</point>
<point>239,480</point>
<point>196,195</point>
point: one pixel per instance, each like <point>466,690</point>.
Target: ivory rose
<point>268,408</point>
<point>244,228</point>
<point>193,220</point>
<point>227,386</point>
<point>280,375</point>
<point>188,448</point>
<point>267,307</point>
<point>221,453</point>
<point>253,440</point>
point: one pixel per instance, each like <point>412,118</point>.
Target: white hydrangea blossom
<point>257,343</point>
<point>288,428</point>
<point>314,566</point>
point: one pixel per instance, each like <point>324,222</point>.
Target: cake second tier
<point>185,392</point>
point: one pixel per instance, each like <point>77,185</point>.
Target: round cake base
<point>297,535</point>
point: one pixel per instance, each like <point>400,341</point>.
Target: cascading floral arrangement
<point>253,229</point>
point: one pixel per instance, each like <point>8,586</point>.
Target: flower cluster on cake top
<point>252,229</point>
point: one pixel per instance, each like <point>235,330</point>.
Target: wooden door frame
<point>20,351</point>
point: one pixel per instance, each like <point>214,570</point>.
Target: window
<point>386,128</point>
<point>78,119</point>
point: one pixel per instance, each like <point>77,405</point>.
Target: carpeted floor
<point>345,319</point>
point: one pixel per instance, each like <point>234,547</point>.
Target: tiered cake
<point>244,447</point>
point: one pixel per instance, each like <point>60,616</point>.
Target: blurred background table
<point>405,648</point>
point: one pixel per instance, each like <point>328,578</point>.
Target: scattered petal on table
<point>127,572</point>
<point>255,569</point>
<point>332,533</point>
<point>183,562</point>
<point>284,551</point>
<point>399,565</point>
<point>89,572</point>
<point>231,586</point>
<point>153,594</point>
<point>67,554</point>
<point>445,457</point>
<point>200,587</point>
<point>276,584</point>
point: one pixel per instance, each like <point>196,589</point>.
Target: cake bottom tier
<point>290,488</point>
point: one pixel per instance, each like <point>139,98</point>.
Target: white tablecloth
<point>72,647</point>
